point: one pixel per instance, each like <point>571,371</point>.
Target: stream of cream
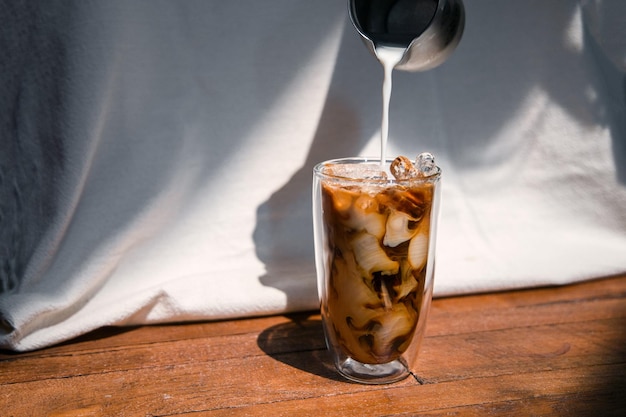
<point>388,56</point>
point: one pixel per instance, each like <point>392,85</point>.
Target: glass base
<point>385,373</point>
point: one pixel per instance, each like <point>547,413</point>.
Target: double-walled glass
<point>375,257</point>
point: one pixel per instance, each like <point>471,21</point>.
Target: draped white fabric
<point>156,156</point>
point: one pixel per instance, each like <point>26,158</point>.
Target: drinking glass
<point>375,256</point>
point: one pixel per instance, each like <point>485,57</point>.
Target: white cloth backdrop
<point>156,156</point>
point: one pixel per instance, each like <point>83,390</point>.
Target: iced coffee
<point>374,237</point>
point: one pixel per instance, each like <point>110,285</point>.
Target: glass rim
<point>319,171</point>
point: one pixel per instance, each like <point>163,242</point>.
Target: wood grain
<point>542,352</point>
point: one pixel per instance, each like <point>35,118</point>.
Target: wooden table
<point>552,351</point>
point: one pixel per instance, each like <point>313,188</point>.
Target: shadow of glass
<point>299,343</point>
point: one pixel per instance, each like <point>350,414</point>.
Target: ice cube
<point>402,168</point>
<point>425,164</point>
<point>399,228</point>
<point>357,171</point>
<point>371,257</point>
<point>372,172</point>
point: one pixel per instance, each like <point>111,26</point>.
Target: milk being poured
<point>388,56</point>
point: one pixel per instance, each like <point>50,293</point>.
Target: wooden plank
<point>142,353</point>
<point>116,337</point>
<point>193,373</point>
<point>288,335</point>
<point>186,390</point>
<point>577,393</point>
<point>471,351</point>
<point>557,351</point>
<point>584,301</point>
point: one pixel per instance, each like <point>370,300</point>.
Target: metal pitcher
<point>429,30</point>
